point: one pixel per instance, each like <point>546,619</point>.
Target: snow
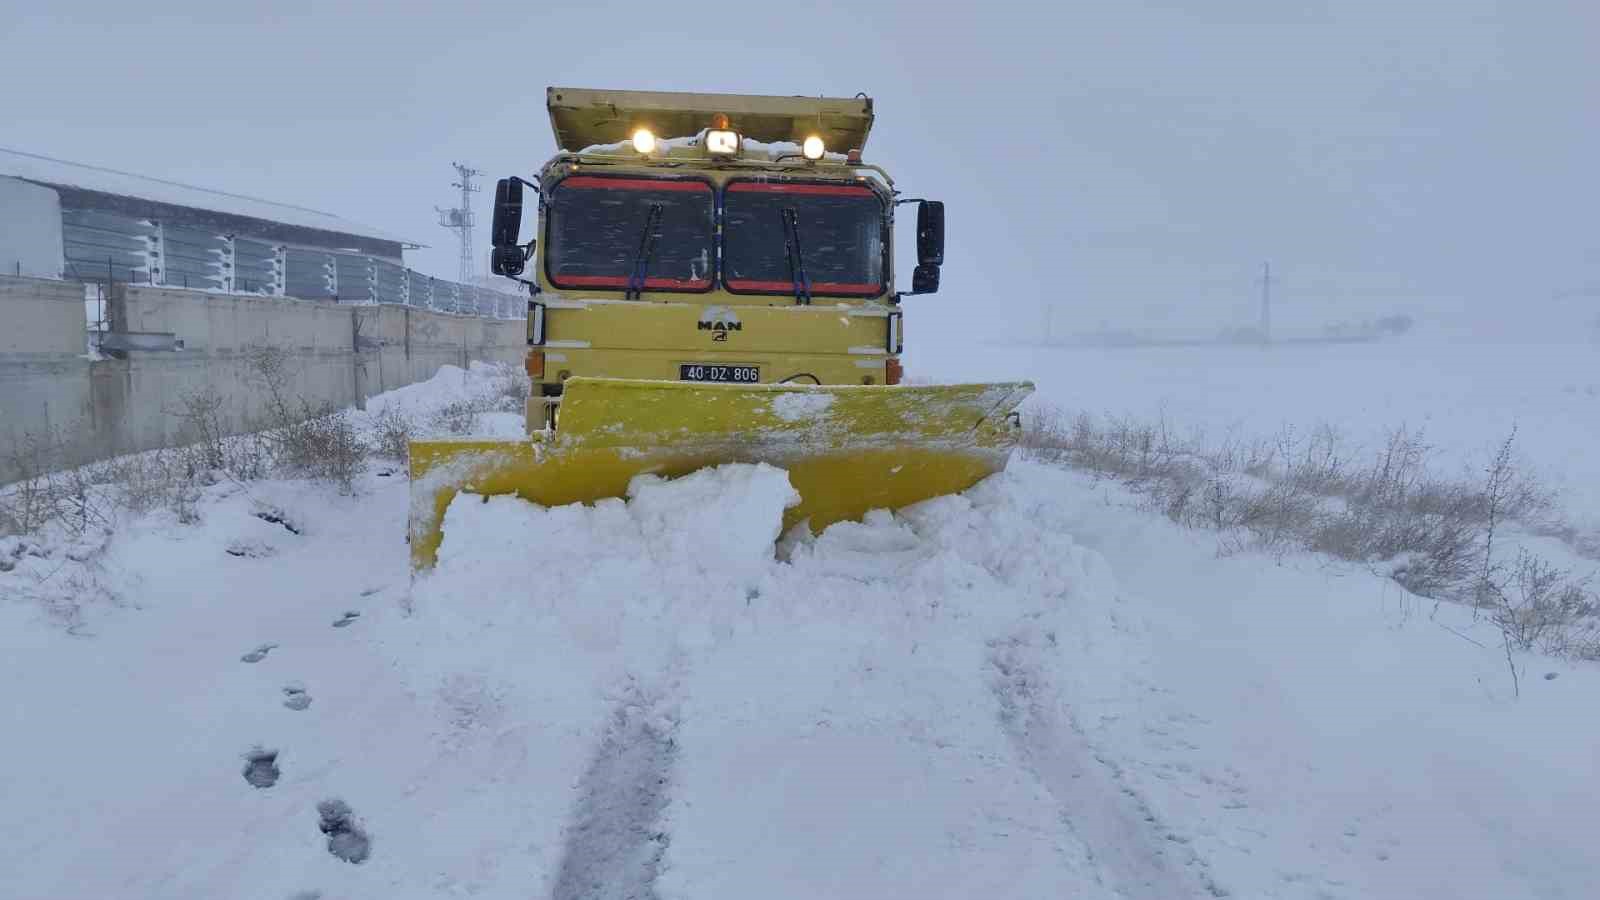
<point>58,172</point>
<point>1462,394</point>
<point>797,407</point>
<point>751,147</point>
<point>452,383</point>
<point>1030,689</point>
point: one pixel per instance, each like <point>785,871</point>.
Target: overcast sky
<point>1114,162</point>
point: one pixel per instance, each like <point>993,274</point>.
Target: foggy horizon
<point>1130,168</point>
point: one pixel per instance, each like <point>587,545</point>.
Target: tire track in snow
<point>1132,853</point>
<point>613,847</point>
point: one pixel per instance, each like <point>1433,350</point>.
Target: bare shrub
<point>45,494</point>
<point>392,432</point>
<point>158,479</point>
<point>144,481</point>
<point>459,416</point>
<point>33,498</point>
<point>81,503</point>
<point>322,445</point>
<point>250,455</point>
<point>269,367</point>
<point>184,501</point>
<point>1320,467</point>
<point>201,413</point>
<point>75,499</point>
<point>1180,501</point>
<point>1280,514</point>
<point>510,388</point>
<point>301,438</point>
<point>1390,480</point>
<point>1231,456</point>
<point>1537,606</point>
<point>1429,555</point>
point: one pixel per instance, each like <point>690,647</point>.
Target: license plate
<point>707,372</point>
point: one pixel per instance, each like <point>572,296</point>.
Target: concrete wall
<point>41,318</point>
<point>335,354</point>
<point>30,229</point>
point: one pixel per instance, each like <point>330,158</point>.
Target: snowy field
<point>1463,395</point>
<point>1029,690</point>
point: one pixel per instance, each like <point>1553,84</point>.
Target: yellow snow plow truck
<point>711,281</point>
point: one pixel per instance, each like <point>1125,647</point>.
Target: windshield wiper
<point>796,255</point>
<point>641,260</point>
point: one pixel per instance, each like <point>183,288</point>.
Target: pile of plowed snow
<point>741,726</point>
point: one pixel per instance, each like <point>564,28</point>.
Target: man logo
<point>719,320</point>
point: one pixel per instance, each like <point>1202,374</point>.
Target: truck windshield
<point>642,233</point>
<point>839,228</point>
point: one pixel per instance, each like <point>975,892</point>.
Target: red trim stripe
<point>621,281</point>
<point>636,184</point>
<point>821,287</point>
<point>778,187</point>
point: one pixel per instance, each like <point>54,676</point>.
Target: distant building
<point>102,224</point>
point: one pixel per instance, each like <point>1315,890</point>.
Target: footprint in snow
<point>275,516</point>
<point>349,616</point>
<point>295,697</point>
<point>250,550</point>
<point>258,654</point>
<point>346,838</point>
<point>261,768</point>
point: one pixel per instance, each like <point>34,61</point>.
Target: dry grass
<point>1540,607</point>
<point>1389,509</point>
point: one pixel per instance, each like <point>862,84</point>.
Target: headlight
<point>644,141</point>
<point>813,147</point>
<point>722,143</point>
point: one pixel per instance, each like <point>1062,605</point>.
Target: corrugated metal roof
<point>47,170</point>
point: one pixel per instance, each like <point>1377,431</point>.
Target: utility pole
<point>1266,303</point>
<point>460,219</point>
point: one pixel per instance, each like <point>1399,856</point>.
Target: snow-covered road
<point>1030,690</point>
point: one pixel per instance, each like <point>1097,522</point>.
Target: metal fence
<point>102,246</point>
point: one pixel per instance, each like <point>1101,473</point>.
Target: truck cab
<point>712,238</point>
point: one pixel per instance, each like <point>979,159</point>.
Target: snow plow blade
<point>848,449</point>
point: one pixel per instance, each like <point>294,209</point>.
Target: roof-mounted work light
<point>721,140</point>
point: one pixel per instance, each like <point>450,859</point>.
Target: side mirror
<point>507,212</point>
<point>925,280</point>
<point>507,258</point>
<point>930,234</point>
